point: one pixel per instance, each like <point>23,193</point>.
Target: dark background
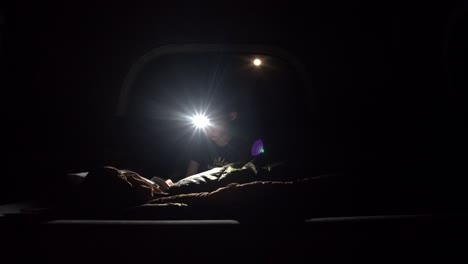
<point>173,87</point>
<point>387,78</point>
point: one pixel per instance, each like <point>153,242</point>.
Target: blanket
<point>235,191</point>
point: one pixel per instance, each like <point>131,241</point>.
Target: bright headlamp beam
<point>200,121</point>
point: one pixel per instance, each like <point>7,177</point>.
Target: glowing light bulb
<point>257,62</point>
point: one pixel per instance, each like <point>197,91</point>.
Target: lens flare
<point>257,148</point>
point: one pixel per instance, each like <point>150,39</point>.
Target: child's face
<point>220,127</point>
<point>216,130</point>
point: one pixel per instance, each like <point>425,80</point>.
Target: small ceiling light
<point>257,62</point>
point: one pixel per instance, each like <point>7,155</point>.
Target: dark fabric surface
<point>232,173</point>
<point>111,188</point>
<point>209,155</point>
<point>271,200</point>
<point>234,191</point>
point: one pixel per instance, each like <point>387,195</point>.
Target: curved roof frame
<point>154,54</point>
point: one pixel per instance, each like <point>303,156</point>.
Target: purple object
<point>257,147</point>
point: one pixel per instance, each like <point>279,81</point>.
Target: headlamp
<point>200,121</point>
